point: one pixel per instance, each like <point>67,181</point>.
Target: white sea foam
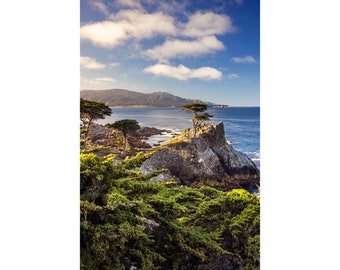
<point>162,139</point>
<point>232,142</point>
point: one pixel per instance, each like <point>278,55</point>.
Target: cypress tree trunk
<point>124,144</point>
<point>87,128</point>
<point>194,124</point>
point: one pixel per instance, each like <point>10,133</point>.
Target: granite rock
<point>206,159</point>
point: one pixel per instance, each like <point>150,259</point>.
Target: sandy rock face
<point>206,159</point>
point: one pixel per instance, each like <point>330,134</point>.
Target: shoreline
<point>161,139</point>
<point>152,137</point>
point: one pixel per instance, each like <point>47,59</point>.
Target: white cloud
<point>97,4</point>
<point>127,24</point>
<point>183,73</point>
<point>142,25</point>
<point>105,79</point>
<point>105,34</point>
<point>171,6</point>
<point>244,60</point>
<point>232,76</point>
<point>96,83</point>
<point>129,3</point>
<point>90,63</point>
<point>201,26</point>
<point>182,48</point>
<point>207,24</point>
<point>206,73</point>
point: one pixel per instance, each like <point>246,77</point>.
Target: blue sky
<point>208,50</point>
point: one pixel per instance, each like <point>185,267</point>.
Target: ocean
<point>241,124</point>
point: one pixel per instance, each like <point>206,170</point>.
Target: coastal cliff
<point>206,159</point>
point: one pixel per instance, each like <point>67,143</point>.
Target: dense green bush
<point>128,220</point>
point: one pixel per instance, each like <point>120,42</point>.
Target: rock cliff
<point>206,159</point>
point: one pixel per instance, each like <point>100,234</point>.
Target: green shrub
<point>128,220</point>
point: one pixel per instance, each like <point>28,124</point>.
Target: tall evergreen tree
<point>198,117</point>
<point>92,110</point>
<point>125,126</point>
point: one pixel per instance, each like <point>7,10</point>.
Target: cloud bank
<point>136,24</point>
<point>176,37</point>
<point>182,48</point>
<point>207,24</point>
<point>126,25</point>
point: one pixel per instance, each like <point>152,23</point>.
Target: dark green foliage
<point>128,220</point>
<point>125,126</point>
<point>91,110</point>
<point>199,117</point>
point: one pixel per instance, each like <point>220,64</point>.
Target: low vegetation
<point>127,220</point>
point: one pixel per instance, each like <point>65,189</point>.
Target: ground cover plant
<point>128,220</point>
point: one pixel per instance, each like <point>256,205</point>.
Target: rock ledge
<point>206,159</point>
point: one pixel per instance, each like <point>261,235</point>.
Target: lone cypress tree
<point>92,110</point>
<point>198,117</point>
<point>125,126</point>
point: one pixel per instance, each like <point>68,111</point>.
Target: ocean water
<point>241,124</point>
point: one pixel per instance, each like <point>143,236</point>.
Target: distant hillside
<point>121,97</point>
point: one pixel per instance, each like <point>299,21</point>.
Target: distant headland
<point>122,97</point>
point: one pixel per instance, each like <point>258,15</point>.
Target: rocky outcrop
<point>206,159</point>
<point>105,136</point>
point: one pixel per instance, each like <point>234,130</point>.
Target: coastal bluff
<point>206,159</point>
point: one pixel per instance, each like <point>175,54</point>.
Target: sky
<point>208,50</point>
